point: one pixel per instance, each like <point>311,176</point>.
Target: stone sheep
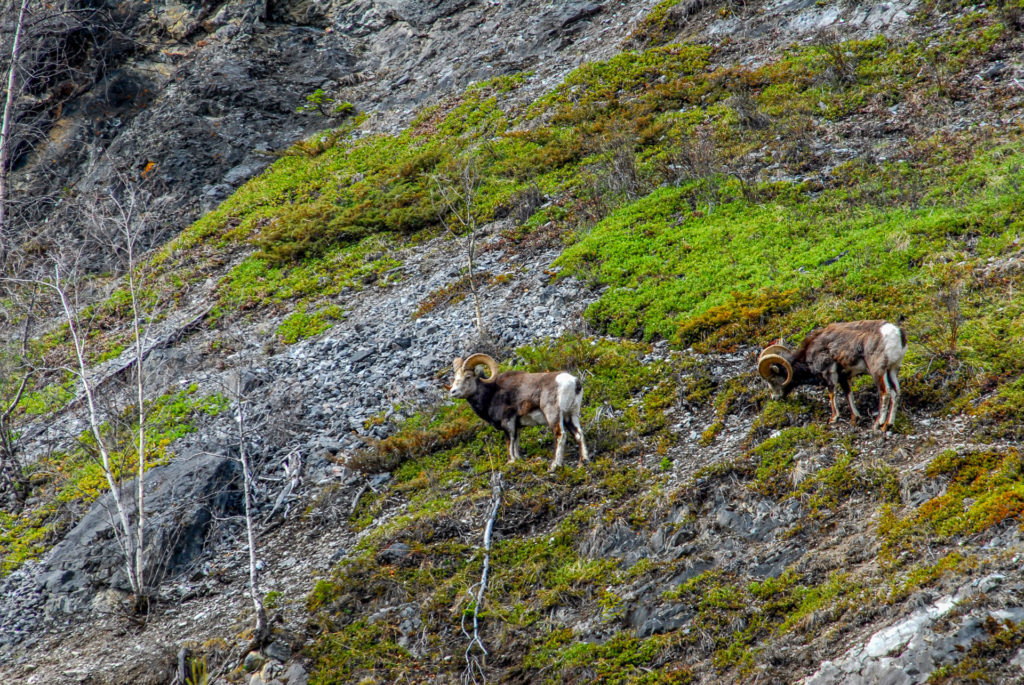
<point>514,399</point>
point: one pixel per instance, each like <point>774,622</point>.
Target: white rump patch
<point>567,397</point>
<point>893,343</point>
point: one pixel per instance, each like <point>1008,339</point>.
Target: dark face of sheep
<point>777,384</point>
<point>464,383</point>
<point>774,367</point>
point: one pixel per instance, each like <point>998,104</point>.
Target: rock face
<point>910,650</point>
<point>190,100</point>
<point>183,501</point>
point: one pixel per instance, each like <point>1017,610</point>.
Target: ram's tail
<point>570,394</point>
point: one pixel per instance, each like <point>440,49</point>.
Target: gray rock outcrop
<point>183,501</point>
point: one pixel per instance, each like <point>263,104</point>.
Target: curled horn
<point>489,362</point>
<point>772,355</point>
<point>773,349</point>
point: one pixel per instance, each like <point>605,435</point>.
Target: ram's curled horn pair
<point>514,399</point>
<point>770,356</point>
<point>475,360</point>
<point>832,355</point>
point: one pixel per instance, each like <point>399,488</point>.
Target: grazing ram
<point>514,399</point>
<point>830,356</point>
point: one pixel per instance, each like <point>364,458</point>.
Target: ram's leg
<point>831,380</point>
<point>560,437</point>
<point>892,392</point>
<point>883,399</point>
<point>894,395</point>
<point>844,384</point>
<point>577,432</point>
<point>513,442</point>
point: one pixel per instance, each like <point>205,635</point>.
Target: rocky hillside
<point>196,98</point>
<point>650,192</point>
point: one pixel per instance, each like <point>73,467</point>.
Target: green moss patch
<point>984,489</point>
<point>67,482</point>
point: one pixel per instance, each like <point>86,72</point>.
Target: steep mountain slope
<point>193,99</point>
<point>729,174</point>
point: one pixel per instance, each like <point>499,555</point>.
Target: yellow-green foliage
<point>925,574</point>
<point>668,267</point>
<point>302,324</point>
<point>23,537</point>
<point>441,463</point>
<point>596,87</point>
<point>360,646</point>
<point>673,260</point>
<point>622,659</point>
<point>655,27</point>
<point>65,482</point>
<point>984,488</point>
<point>640,164</point>
<point>739,617</point>
<point>49,398</point>
<point>258,283</point>
<point>985,661</point>
<point>775,456</point>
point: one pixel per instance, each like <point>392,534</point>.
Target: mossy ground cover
<point>689,251</point>
<point>989,660</point>
<point>740,617</point>
<point>984,492</point>
<point>332,212</point>
<point>442,460</point>
<point>636,163</point>
<point>780,266</point>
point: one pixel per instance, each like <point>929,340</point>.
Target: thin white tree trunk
<point>476,664</point>
<point>471,250</point>
<point>262,629</point>
<point>5,127</point>
<point>128,546</point>
<point>457,196</point>
<point>141,397</point>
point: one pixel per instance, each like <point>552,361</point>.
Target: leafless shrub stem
<point>476,653</point>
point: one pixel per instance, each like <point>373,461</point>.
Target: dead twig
<point>476,663</point>
<point>355,500</point>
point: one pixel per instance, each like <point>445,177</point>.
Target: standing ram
<point>832,355</point>
<point>514,399</point>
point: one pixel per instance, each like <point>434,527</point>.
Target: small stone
<point>278,650</point>
<point>270,670</point>
<point>295,675</point>
<point>396,552</point>
<point>990,582</point>
<point>253,661</point>
<point>995,70</point>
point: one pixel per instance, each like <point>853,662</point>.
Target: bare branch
<point>5,129</point>
<point>129,541</point>
<point>476,652</point>
<point>455,198</point>
<point>262,630</point>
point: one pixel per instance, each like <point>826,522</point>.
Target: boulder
<point>183,500</point>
